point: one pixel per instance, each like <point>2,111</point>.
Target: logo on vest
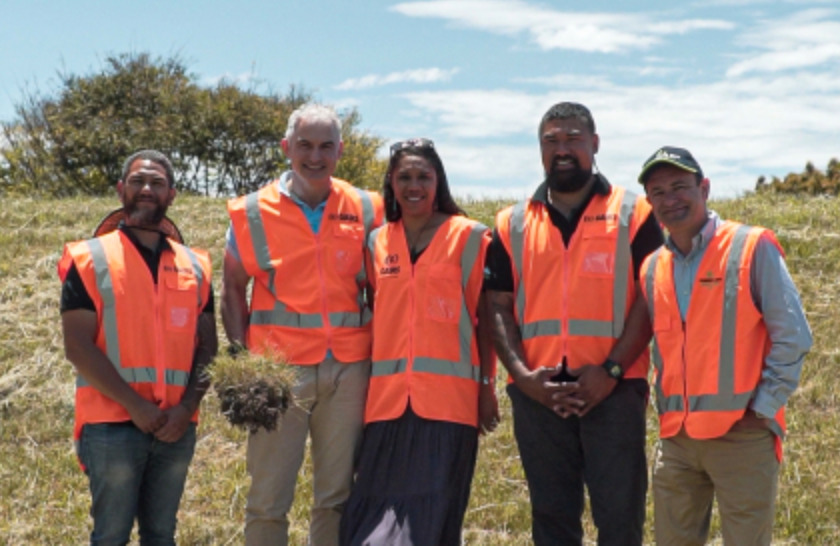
<point>391,267</point>
<point>179,316</point>
<point>709,280</point>
<point>344,217</point>
<point>176,269</point>
<point>598,263</point>
<point>608,217</point>
<point>440,308</point>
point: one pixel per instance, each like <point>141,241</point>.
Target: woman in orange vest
<point>431,389</point>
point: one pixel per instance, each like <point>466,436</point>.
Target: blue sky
<point>752,87</point>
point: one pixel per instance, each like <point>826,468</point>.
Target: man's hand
<point>178,419</point>
<point>561,398</point>
<point>751,420</point>
<point>488,408</point>
<point>593,385</point>
<point>147,416</point>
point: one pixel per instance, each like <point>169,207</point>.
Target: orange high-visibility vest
<point>571,302</point>
<point>707,368</point>
<point>147,330</point>
<point>308,288</point>
<point>424,346</point>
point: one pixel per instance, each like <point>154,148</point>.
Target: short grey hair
<point>314,112</point>
<point>155,157</point>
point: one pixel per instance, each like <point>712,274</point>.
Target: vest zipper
<point>160,364</point>
<point>325,316</point>
<point>685,377</point>
<point>409,368</point>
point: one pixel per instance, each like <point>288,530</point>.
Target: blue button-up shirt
<point>775,296</point>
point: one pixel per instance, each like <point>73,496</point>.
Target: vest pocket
<point>346,253</point>
<point>598,258</point>
<point>443,296</point>
<point>181,305</point>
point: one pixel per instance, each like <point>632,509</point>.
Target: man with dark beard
<point>137,317</point>
<point>571,330</point>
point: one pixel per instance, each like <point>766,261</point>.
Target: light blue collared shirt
<point>775,296</point>
<point>313,215</point>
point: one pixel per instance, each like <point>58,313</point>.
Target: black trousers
<point>603,451</point>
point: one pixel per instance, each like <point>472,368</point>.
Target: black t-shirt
<point>498,272</point>
<point>74,295</point>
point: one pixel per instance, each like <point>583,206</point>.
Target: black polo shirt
<point>498,271</point>
<point>74,295</point>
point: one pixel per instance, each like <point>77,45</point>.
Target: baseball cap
<point>671,155</point>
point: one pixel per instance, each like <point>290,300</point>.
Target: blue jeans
<point>132,474</point>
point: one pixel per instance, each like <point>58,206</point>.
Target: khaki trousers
<point>329,407</point>
<point>740,469</point>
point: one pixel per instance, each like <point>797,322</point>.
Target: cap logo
<point>665,154</point>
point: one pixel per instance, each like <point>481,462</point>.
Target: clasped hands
<point>566,398</point>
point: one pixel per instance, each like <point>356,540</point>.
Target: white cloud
<point>805,39</point>
<point>420,75</point>
<point>739,129</point>
<point>551,29</point>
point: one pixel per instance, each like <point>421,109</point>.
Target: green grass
<point>43,494</point>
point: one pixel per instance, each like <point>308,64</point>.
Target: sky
<point>751,87</point>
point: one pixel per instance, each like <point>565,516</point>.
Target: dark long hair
<point>424,148</point>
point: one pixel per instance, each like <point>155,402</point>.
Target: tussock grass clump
<point>253,390</point>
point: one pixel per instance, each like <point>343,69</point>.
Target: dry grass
<point>44,497</point>
<point>253,390</point>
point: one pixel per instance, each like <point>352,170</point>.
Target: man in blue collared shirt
<point>329,393</point>
<point>741,467</point>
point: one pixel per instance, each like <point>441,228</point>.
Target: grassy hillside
<point>44,497</point>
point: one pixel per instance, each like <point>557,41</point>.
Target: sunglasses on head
<point>412,143</point>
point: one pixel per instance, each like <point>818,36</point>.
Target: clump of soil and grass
<point>253,390</point>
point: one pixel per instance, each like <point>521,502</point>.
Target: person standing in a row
<point>572,331</point>
<point>431,387</point>
<point>138,324</point>
<point>730,337</point>
<point>300,240</point>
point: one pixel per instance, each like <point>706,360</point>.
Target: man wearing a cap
<point>572,332</point>
<point>299,241</point>
<point>730,336</point>
<point>138,323</point>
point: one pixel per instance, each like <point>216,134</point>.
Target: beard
<point>567,180</point>
<point>144,217</point>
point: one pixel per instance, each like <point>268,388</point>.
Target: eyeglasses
<point>412,143</point>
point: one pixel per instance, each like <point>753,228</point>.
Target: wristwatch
<point>613,368</point>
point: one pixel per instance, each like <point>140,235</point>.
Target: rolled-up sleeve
<point>778,300</point>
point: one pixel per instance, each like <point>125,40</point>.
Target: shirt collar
<point>700,241</point>
<point>163,242</point>
<point>284,190</point>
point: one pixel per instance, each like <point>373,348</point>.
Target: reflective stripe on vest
<point>368,217</point>
<point>726,399</point>
<point>106,292</point>
<point>109,321</point>
<point>177,378</point>
<point>623,257</point>
<point>463,368</point>
<point>280,315</point>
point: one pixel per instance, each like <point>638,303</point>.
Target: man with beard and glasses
<point>572,331</point>
<point>138,323</point>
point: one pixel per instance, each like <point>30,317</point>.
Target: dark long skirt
<point>412,485</point>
